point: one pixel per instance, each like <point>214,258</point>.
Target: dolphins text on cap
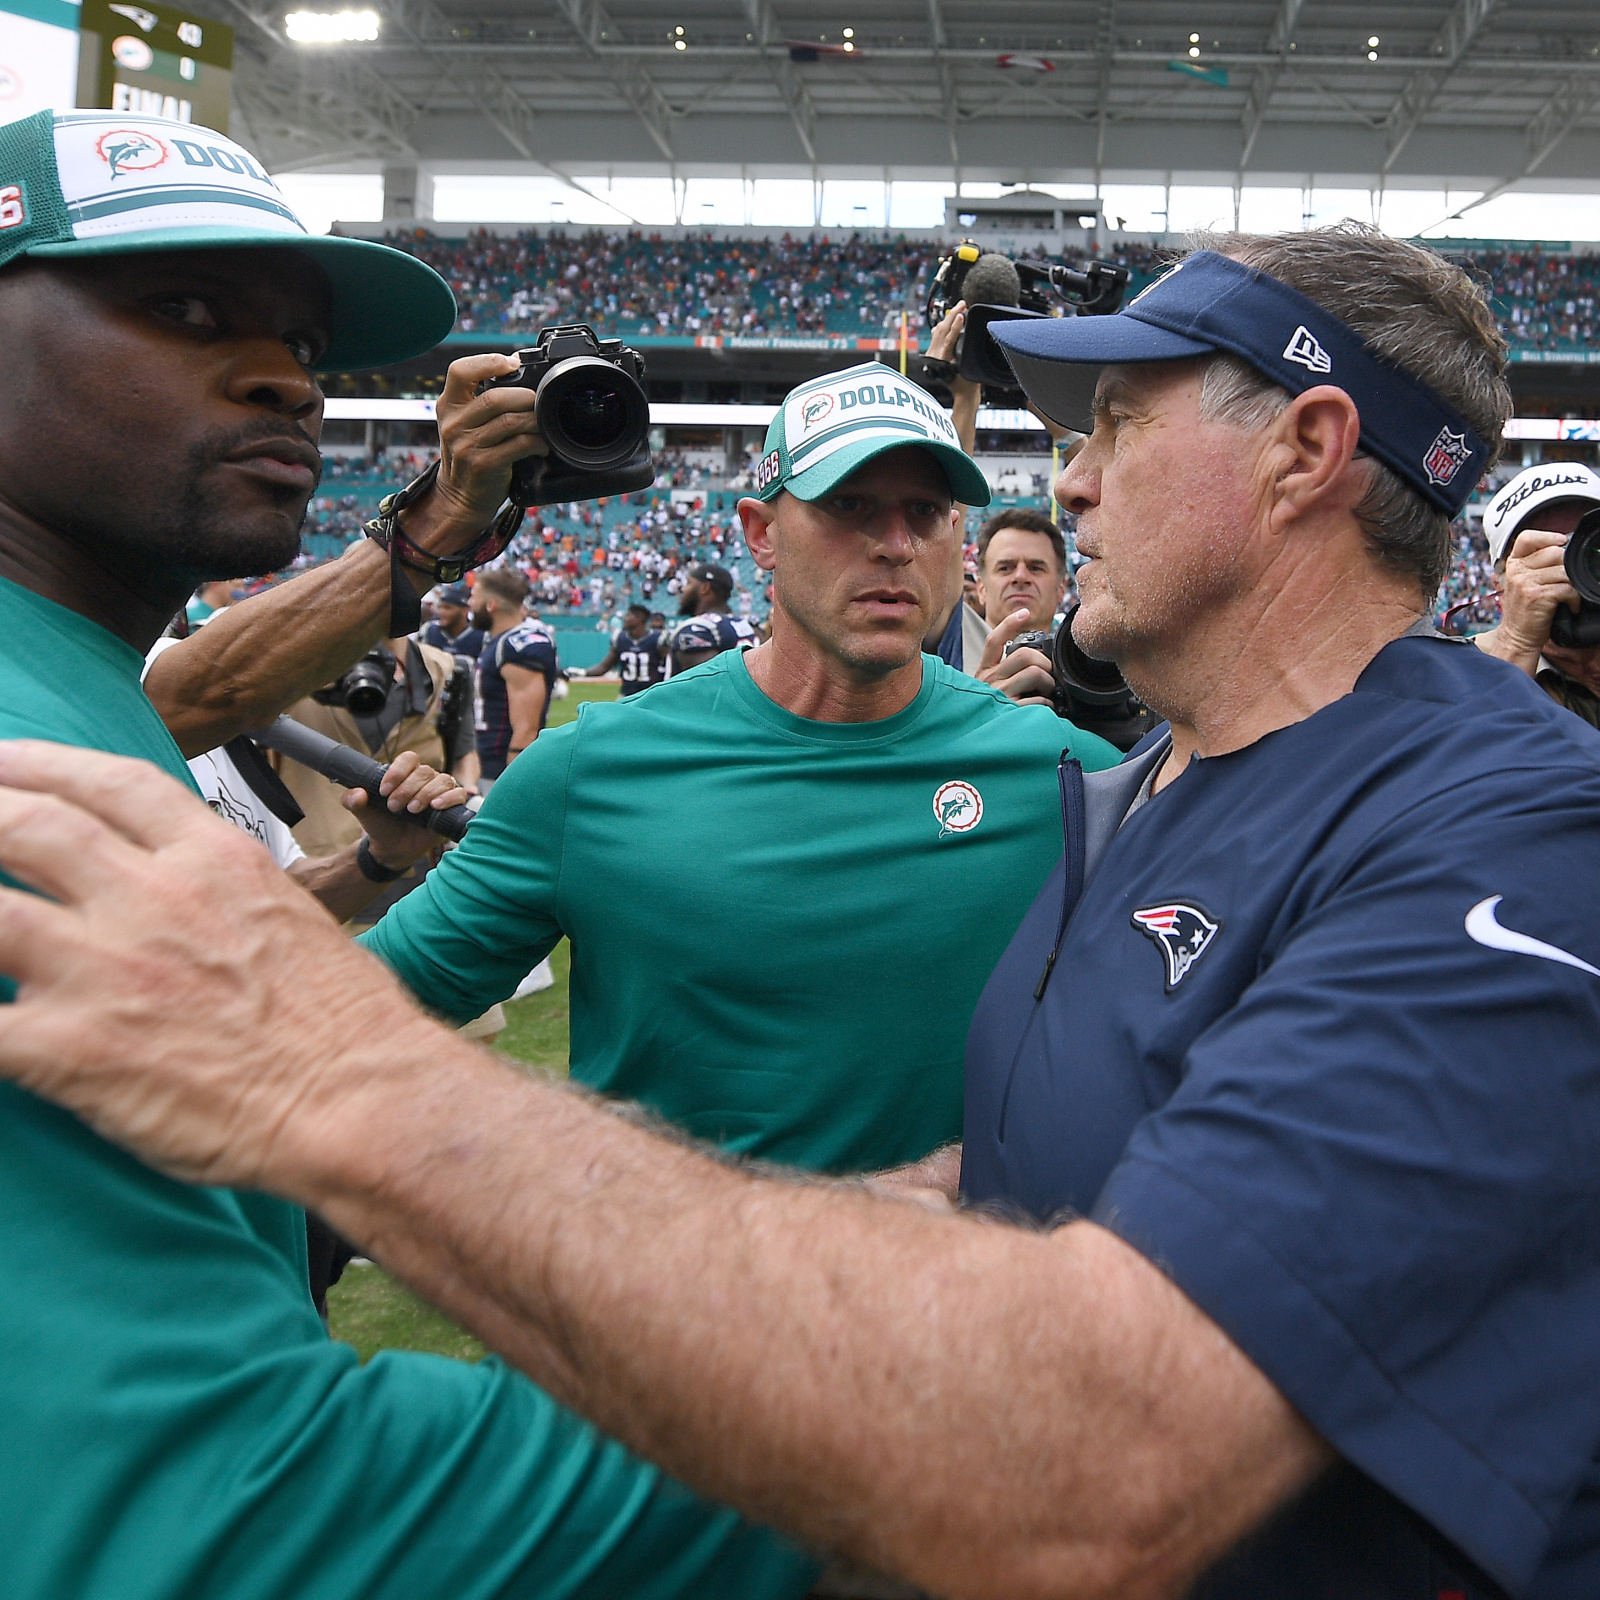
<point>159,174</point>
<point>861,402</point>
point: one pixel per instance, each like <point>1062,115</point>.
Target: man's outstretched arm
<point>257,658</point>
<point>981,1409</point>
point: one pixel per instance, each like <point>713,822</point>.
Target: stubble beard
<point>1148,644</point>
<point>194,537</point>
<point>837,642</point>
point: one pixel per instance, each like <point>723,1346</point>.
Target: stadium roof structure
<point>1456,93</point>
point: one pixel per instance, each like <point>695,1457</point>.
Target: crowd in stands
<point>631,285</point>
<point>583,558</point>
<point>1543,300</point>
<point>627,285</point>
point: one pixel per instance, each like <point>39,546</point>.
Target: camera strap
<point>405,604</point>
<point>264,783</point>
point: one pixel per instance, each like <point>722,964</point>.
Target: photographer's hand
<point>481,438</point>
<point>946,335</point>
<point>1535,586</point>
<point>964,393</point>
<point>1024,675</point>
<point>395,838</point>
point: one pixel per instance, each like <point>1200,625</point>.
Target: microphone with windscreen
<point>999,289</point>
<point>992,289</point>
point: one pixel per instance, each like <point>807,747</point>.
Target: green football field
<point>367,1308</point>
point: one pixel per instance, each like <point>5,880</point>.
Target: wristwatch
<point>373,869</point>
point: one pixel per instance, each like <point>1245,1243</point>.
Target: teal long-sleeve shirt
<point>779,927</point>
<point>175,1423</point>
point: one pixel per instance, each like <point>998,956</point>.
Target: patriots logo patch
<point>1184,934</point>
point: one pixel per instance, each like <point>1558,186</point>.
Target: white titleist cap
<point>1531,491</point>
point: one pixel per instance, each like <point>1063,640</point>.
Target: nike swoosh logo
<point>1482,927</point>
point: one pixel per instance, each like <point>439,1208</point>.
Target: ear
<point>757,517</point>
<point>1311,451</point>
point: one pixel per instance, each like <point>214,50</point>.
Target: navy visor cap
<point>1210,303</point>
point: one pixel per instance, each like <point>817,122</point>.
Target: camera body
<point>1090,693</point>
<point>1580,629</point>
<point>362,689</point>
<point>593,414</point>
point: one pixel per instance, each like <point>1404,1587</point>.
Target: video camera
<point>1090,693</point>
<point>592,412</point>
<point>999,288</point>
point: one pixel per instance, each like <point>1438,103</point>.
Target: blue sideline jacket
<point>1317,1030</point>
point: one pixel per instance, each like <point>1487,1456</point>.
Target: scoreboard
<point>38,57</point>
<point>155,61</point>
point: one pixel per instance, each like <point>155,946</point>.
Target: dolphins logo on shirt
<point>958,807</point>
<point>1184,934</point>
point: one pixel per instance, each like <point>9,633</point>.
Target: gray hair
<point>1415,309</point>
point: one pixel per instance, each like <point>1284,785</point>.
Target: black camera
<point>1580,629</point>
<point>362,690</point>
<point>593,414</point>
<point>1089,692</point>
<point>999,288</point>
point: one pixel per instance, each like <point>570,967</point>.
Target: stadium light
<point>331,27</point>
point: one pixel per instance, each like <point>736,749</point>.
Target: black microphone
<point>343,765</point>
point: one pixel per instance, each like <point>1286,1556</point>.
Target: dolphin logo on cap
<point>124,150</point>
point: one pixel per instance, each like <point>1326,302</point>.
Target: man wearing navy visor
<point>1294,1058</point>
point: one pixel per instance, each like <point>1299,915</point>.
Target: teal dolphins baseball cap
<point>827,428</point>
<point>101,183</point>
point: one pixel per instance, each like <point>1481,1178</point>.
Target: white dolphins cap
<point>86,183</point>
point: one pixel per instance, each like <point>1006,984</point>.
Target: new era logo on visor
<point>1304,351</point>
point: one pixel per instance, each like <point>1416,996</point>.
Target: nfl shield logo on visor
<point>1446,456</point>
<point>1183,933</point>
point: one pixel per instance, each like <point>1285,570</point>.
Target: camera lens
<point>1582,559</point>
<point>592,414</point>
<point>1092,680</point>
<point>592,417</point>
<point>366,689</point>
